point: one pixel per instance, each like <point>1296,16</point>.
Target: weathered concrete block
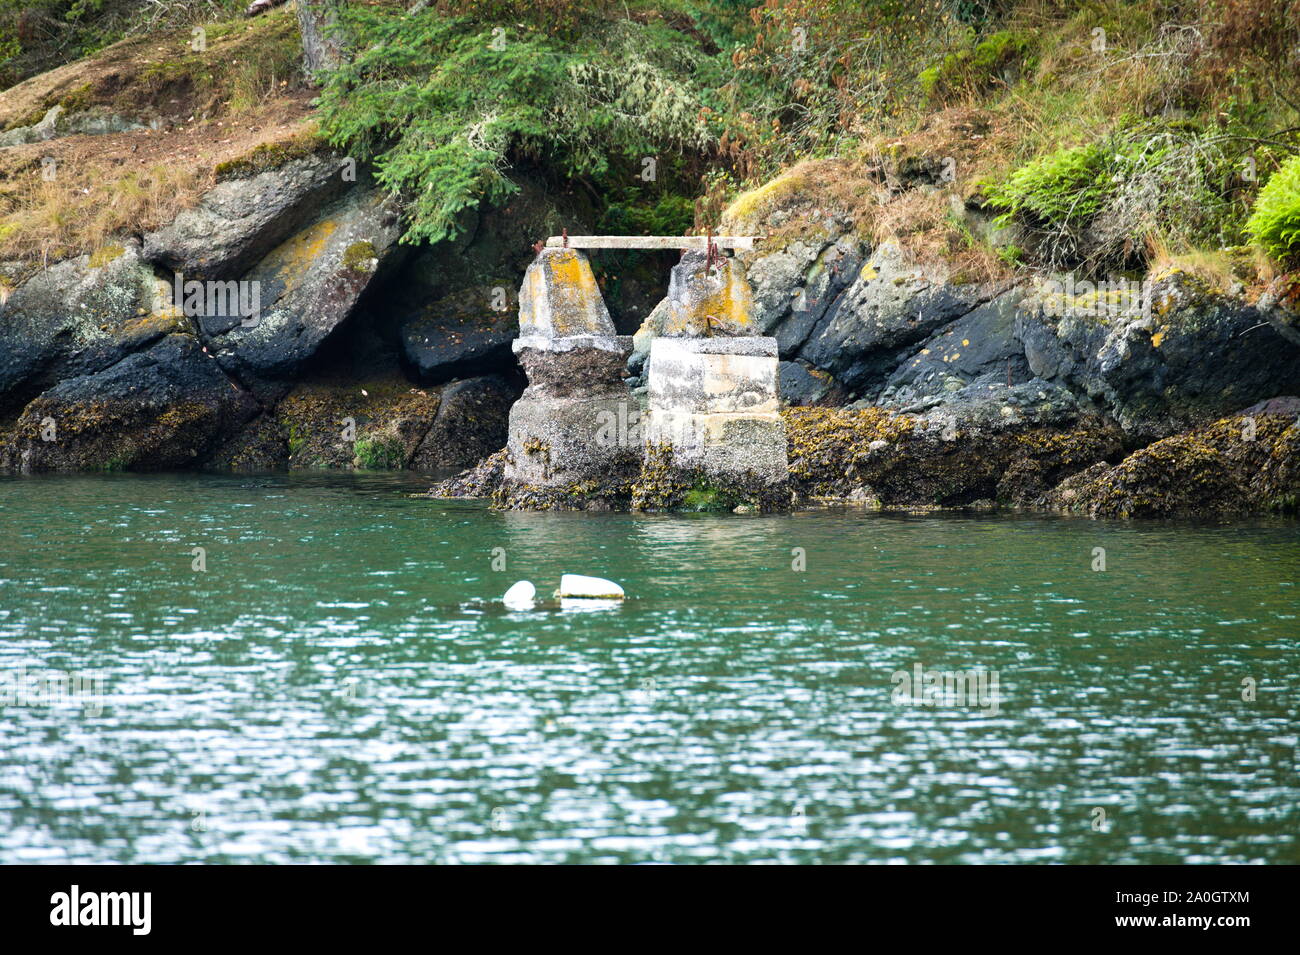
<point>714,403</point>
<point>560,298</point>
<point>708,301</point>
<point>707,375</point>
<point>571,425</point>
<point>559,442</point>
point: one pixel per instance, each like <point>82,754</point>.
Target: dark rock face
<point>454,338</point>
<point>978,348</point>
<point>309,285</point>
<point>801,384</point>
<point>163,408</point>
<point>75,318</point>
<point>892,304</point>
<point>1196,356</point>
<point>795,285</point>
<point>471,423</point>
<point>308,247</point>
<point>241,220</point>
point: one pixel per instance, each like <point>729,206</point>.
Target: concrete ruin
<point>714,409</point>
<point>559,438</point>
<point>712,425</point>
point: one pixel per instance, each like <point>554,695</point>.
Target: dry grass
<point>801,200</point>
<point>105,187</point>
<point>203,107</point>
<point>80,211</point>
<point>1224,269</point>
<point>923,223</point>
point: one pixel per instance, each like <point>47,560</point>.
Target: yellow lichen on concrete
<point>560,297</point>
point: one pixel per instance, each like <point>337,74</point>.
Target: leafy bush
<point>1275,223</point>
<point>1058,188</point>
<point>1096,204</point>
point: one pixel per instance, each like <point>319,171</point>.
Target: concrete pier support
<point>713,401</point>
<point>713,396</point>
<point>569,441</point>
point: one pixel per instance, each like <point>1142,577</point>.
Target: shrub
<point>1275,223</point>
<point>1058,188</point>
<point>1100,203</point>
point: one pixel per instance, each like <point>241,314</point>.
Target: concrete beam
<point>700,242</point>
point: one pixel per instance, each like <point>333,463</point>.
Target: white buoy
<point>520,596</point>
<point>590,588</point>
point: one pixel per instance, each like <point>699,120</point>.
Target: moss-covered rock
<point>904,460</point>
<point>1238,465</point>
<point>261,445</point>
<point>376,423</point>
<point>471,423</point>
<point>164,408</point>
<point>75,318</point>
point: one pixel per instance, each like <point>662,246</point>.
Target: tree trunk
<point>322,44</point>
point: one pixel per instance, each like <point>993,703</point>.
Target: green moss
<point>296,439</point>
<point>384,453</point>
<point>105,254</point>
<point>706,497</point>
<point>359,256</point>
<point>270,156</point>
<point>978,67</point>
<point>929,80</point>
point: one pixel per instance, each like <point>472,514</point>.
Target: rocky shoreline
<point>902,384</point>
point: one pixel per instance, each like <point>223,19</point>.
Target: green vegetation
<point>704,496</point>
<point>446,106</point>
<point>1056,188</point>
<point>1106,134</point>
<point>978,67</point>
<point>383,453</point>
<point>1275,224</point>
<point>1094,203</point>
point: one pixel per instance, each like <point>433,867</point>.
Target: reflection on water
<point>339,684</point>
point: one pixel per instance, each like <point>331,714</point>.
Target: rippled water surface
<point>339,686</point>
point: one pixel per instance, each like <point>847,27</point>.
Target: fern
<point>1275,223</point>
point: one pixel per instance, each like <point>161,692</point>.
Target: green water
<point>338,685</point>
